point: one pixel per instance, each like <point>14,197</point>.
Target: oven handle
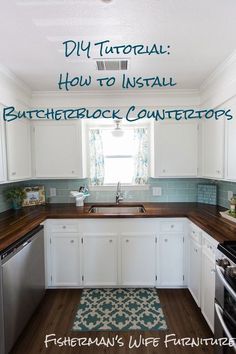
<point>226,285</point>
<point>219,313</point>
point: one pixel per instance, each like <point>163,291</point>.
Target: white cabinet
<point>65,260</point>
<point>213,148</point>
<point>170,254</point>
<point>3,171</point>
<point>175,149</point>
<point>208,280</point>
<point>100,259</point>
<point>63,253</point>
<point>171,260</point>
<point>138,255</point>
<point>58,149</point>
<point>230,145</point>
<point>194,282</point>
<point>18,149</point>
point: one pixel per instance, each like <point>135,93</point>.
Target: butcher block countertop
<point>15,224</point>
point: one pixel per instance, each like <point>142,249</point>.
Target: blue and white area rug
<point>119,310</point>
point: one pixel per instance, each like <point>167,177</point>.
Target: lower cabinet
<point>171,260</point>
<point>201,284</point>
<point>65,260</point>
<point>194,283</point>
<point>100,266</point>
<point>208,282</point>
<point>138,260</point>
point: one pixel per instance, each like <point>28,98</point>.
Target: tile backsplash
<point>173,190</point>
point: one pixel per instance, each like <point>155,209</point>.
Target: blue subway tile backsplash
<point>173,190</point>
<point>207,193</point>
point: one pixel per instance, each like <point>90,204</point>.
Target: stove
<point>228,248</point>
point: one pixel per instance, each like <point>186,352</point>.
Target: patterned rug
<point>119,310</point>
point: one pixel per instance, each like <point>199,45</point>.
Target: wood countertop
<point>15,224</point>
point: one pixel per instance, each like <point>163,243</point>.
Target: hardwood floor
<point>56,313</point>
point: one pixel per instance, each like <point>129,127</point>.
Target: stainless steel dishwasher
<point>23,284</point>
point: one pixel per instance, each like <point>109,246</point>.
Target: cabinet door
<point>171,260</point>
<point>100,259</point>
<point>57,150</point>
<point>65,260</point>
<point>213,148</point>
<point>3,176</point>
<point>230,145</point>
<point>194,282</point>
<point>176,149</point>
<point>138,255</point>
<point>18,149</point>
<point>208,288</point>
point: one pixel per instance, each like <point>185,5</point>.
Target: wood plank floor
<point>56,313</point>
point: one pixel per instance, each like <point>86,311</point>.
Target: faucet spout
<point>119,196</point>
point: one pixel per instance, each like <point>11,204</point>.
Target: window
<point>118,158</point>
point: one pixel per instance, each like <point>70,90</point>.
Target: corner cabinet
<point>18,143</point>
<point>58,149</point>
<point>213,148</point>
<point>175,149</point>
<point>195,259</point>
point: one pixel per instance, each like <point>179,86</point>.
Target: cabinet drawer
<point>195,233</point>
<point>171,226</point>
<point>209,244</point>
<point>63,227</point>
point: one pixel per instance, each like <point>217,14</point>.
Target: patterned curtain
<point>141,156</point>
<point>96,157</point>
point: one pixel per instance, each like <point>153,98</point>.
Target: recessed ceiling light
<point>106,1</point>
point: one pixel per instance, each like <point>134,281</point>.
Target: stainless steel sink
<point>117,209</point>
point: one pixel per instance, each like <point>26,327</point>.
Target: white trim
<point>218,71</point>
<point>21,84</point>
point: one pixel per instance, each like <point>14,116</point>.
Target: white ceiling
<point>201,34</point>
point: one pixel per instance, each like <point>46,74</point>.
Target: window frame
<point>110,125</point>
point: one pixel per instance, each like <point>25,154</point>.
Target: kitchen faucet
<point>119,196</point>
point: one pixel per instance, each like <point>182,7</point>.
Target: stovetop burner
<point>229,249</point>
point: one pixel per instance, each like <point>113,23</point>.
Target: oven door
<point>225,311</point>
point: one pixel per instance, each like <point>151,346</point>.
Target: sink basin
<point>117,209</point>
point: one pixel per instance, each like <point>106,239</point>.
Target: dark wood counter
<point>15,224</point>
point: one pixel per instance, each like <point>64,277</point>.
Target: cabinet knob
<point>127,240</point>
<point>13,173</point>
<point>72,241</point>
<point>164,170</point>
<point>172,226</point>
<point>64,226</point>
<point>110,241</point>
<point>213,270</point>
<point>166,240</point>
<point>195,250</point>
<point>73,171</point>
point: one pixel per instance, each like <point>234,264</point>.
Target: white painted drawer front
<point>171,226</point>
<point>63,226</point>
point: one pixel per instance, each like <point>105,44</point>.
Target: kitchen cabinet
<point>175,149</point>
<point>171,260</point>
<point>100,266</point>
<point>138,256</point>
<point>213,148</point>
<point>3,170</point>
<point>58,149</point>
<point>208,280</point>
<point>194,282</point>
<point>230,145</point>
<point>65,260</point>
<point>18,141</point>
